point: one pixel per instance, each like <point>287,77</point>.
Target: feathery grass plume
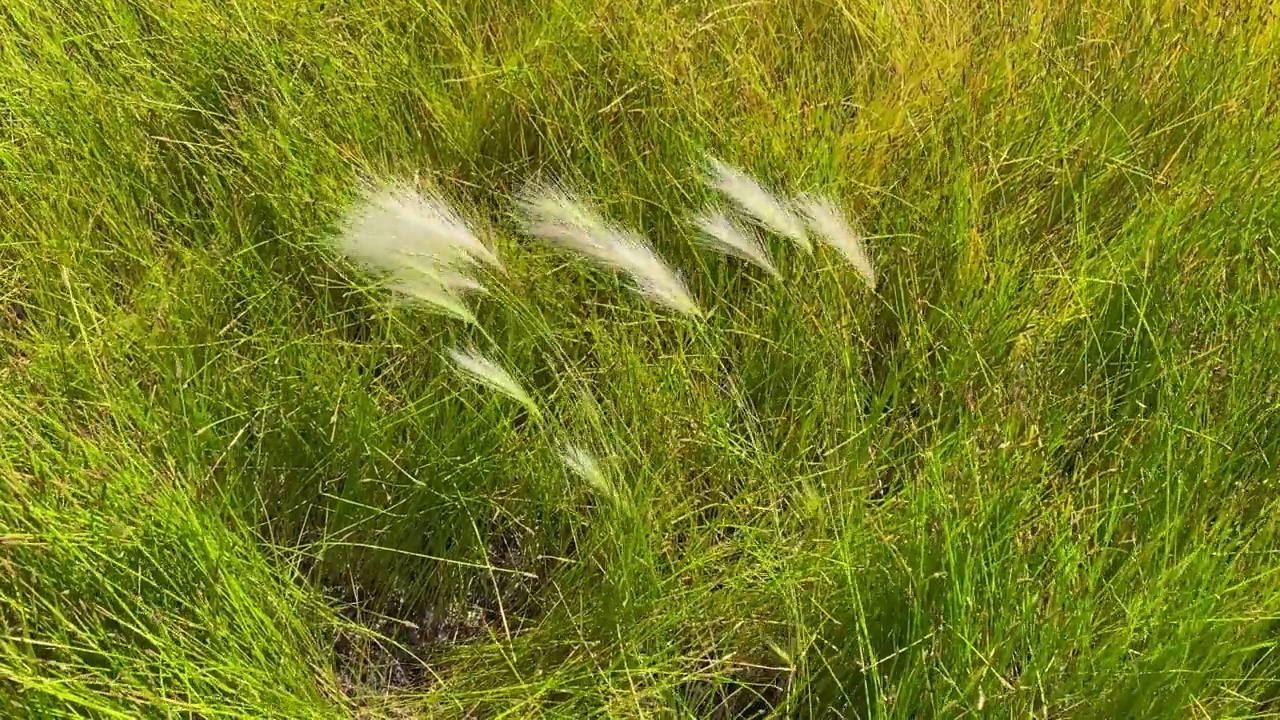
<point>583,464</point>
<point>420,241</point>
<point>723,234</point>
<point>831,225</point>
<point>479,368</point>
<point>560,218</point>
<point>439,297</point>
<point>392,221</point>
<point>447,278</point>
<point>758,202</point>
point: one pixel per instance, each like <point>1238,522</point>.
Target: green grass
<point>1032,475</point>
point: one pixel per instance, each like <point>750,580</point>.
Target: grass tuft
<point>1033,476</point>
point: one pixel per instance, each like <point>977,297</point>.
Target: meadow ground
<point>1032,474</point>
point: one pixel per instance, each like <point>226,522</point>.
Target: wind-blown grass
<point>477,366</point>
<point>1032,477</point>
<point>721,233</point>
<point>584,466</point>
<point>420,242</point>
<point>771,211</point>
<point>834,229</point>
<point>562,219</point>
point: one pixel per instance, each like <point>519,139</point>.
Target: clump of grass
<point>758,202</point>
<point>834,229</point>
<point>1050,494</point>
<point>423,246</point>
<point>723,234</point>
<point>560,218</point>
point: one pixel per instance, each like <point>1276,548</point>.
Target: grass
<point>1031,474</point>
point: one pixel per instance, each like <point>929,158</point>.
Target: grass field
<point>1032,474</point>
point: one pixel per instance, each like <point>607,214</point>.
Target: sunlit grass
<point>1002,445</point>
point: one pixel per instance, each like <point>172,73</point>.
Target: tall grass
<point>1016,458</point>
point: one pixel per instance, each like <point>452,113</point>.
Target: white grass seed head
<point>757,202</point>
<point>561,219</point>
<point>833,228</point>
<point>723,234</point>
<point>392,221</point>
<point>419,241</point>
<point>478,367</point>
<point>422,290</point>
<point>584,465</point>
